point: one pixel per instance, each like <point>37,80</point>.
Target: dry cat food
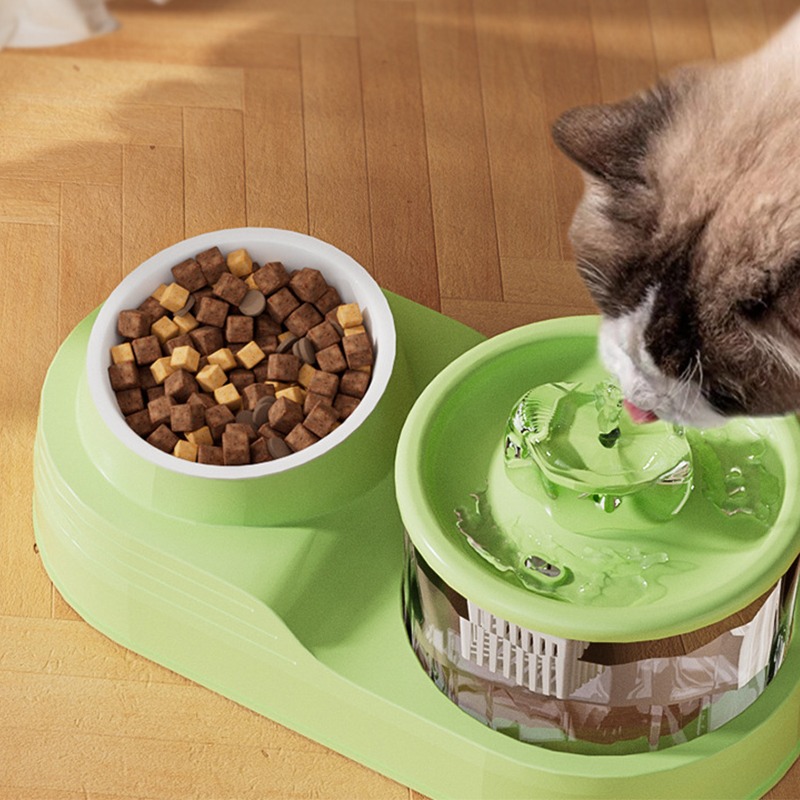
<point>236,363</point>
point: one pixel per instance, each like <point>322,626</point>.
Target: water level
<point>568,456</point>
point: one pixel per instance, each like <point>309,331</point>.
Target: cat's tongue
<point>638,415</point>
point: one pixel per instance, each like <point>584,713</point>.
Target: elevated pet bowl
<point>282,591</point>
<point>630,631</point>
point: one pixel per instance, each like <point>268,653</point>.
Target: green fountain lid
<point>540,547</point>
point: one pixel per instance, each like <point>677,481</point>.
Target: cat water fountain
<point>625,640</point>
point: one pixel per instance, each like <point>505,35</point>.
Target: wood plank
<point>69,760</point>
<point>152,201</point>
<point>73,120</point>
<point>26,76</point>
<point>67,647</point>
<point>681,33</point>
<point>60,609</point>
<point>293,17</point>
<point>517,133</point>
<point>565,43</point>
<point>338,191</point>
<point>89,250</point>
<point>25,158</point>
<point>403,241</point>
<point>545,283</point>
<point>458,161</point>
<point>624,44</point>
<point>35,202</point>
<point>213,170</point>
<point>214,40</point>
<point>493,317</point>
<point>29,325</point>
<point>737,27</point>
<point>274,150</point>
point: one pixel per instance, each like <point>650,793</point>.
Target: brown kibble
<point>354,383</point>
<point>235,447</point>
<point>184,417</point>
<point>331,359</point>
<point>345,405</point>
<point>130,401</point>
<point>207,339</point>
<point>311,399</point>
<point>139,422</point>
<point>159,410</point>
<point>189,275</point>
<point>284,414</point>
<point>254,392</point>
<point>307,284</point>
<point>211,311</point>
<point>163,438</point>
<point>328,301</point>
<point>323,335</point>
<point>153,309</point>
<point>239,328</point>
<point>271,277</point>
<point>147,349</point>
<point>322,419</point>
<point>212,262</point>
<point>259,452</point>
<point>324,383</point>
<point>124,375</point>
<point>302,319</point>
<point>300,437</point>
<point>180,385</point>
<point>283,367</point>
<point>281,304</point>
<point>358,350</point>
<point>133,324</point>
<point>209,454</point>
<point>230,288</point>
<point>217,417</point>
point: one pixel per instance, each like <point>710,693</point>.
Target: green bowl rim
<point>489,590</point>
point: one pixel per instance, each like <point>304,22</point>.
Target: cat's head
<point>688,237</point>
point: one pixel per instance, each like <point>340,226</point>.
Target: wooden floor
<point>414,136</point>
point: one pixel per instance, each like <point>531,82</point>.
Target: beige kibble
<point>250,355</point>
<point>186,323</point>
<point>164,329</point>
<point>200,436</point>
<point>224,357</point>
<point>161,369</point>
<point>354,330</point>
<point>294,393</point>
<point>348,315</point>
<point>185,357</point>
<point>239,263</point>
<point>211,377</point>
<point>121,353</point>
<point>159,292</point>
<point>174,297</point>
<point>185,450</point>
<point>228,395</point>
<point>306,375</point>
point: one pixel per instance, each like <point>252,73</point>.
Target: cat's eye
<point>754,308</point>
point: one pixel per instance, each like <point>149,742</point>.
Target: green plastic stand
<point>293,609</point>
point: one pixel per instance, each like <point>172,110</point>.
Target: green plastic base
<point>300,620</point>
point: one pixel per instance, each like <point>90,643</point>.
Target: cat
<point>688,236</point>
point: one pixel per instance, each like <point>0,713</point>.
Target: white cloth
<point>49,23</point>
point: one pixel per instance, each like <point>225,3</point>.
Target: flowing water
<point>569,456</point>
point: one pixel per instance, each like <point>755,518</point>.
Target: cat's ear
<point>611,141</point>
